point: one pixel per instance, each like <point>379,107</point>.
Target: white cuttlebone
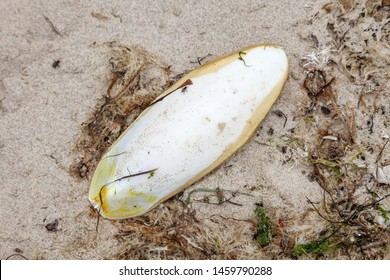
<point>188,131</point>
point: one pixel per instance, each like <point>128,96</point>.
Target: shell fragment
<point>188,131</point>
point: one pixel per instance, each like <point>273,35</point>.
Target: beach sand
<point>55,67</point>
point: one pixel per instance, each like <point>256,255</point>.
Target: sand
<point>54,68</point>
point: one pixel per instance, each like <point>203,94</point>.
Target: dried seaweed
<point>138,77</point>
<point>355,205</point>
<point>174,232</point>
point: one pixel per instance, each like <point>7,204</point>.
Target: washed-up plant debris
<point>347,85</point>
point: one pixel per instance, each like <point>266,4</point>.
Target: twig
<point>280,114</point>
<point>234,193</point>
<point>374,244</point>
<point>199,59</point>
<point>220,202</point>
<point>380,153</point>
<point>13,255</point>
<point>319,213</point>
<point>370,124</point>
<point>323,88</point>
<point>52,26</point>
<point>257,8</point>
